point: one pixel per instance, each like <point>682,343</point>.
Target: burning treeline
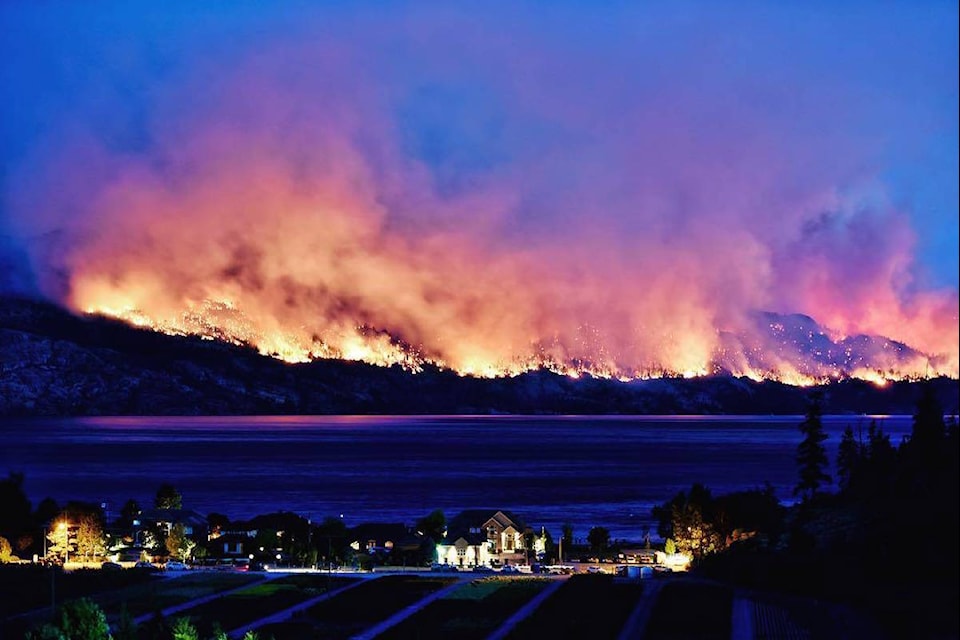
<point>314,200</point>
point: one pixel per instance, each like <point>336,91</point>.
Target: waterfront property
<point>485,537</point>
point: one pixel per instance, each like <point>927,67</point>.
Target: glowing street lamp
<point>63,529</point>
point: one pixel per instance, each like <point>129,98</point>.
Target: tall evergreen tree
<point>849,457</point>
<point>811,454</point>
<point>929,429</point>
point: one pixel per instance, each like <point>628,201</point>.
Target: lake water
<point>588,471</point>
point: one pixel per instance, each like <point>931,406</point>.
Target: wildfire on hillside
<point>491,214</point>
<point>224,321</point>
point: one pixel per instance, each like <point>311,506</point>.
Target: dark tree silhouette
<point>168,497</point>
<point>849,457</point>
<point>811,454</point>
<point>15,508</point>
<point>566,538</point>
<point>599,538</point>
<point>433,525</point>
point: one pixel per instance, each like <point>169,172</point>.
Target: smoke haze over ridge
<point>487,189</point>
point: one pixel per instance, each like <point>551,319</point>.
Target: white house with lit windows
<point>484,537</point>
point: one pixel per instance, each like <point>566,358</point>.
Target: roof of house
<point>232,538</point>
<point>472,539</point>
<point>463,522</point>
<point>278,521</point>
<point>181,516</point>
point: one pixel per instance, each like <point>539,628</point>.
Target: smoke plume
<point>488,190</point>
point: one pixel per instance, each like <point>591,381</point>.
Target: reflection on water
<point>584,470</point>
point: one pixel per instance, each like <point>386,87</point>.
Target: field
<point>357,609</point>
<point>257,601</point>
<point>474,610</point>
<point>30,588</point>
<point>690,610</point>
<point>586,606</point>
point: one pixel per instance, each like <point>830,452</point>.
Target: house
<point>163,520</point>
<point>231,545</point>
<point>487,537</point>
<point>377,537</point>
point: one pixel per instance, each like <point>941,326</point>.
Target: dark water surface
<point>584,470</point>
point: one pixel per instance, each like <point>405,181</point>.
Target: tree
<point>929,428</point>
<point>61,545</point>
<point>549,547</point>
<point>126,627</point>
<point>599,538</point>
<point>15,509</point>
<point>331,539</point>
<point>84,620</point>
<point>670,547</point>
<point>168,498</point>
<point>183,629</point>
<point>699,497</point>
<point>77,620</point>
<point>529,539</point>
<point>91,541</point>
<point>217,522</point>
<point>129,512</point>
<point>178,544</point>
<point>6,551</point>
<point>690,521</point>
<point>848,460</point>
<point>566,538</point>
<point>433,525</point>
<point>743,514</point>
<point>811,454</point>
<point>694,534</point>
<point>47,510</point>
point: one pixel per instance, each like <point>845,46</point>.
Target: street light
<point>64,529</point>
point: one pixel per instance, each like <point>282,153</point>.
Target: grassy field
<point>693,611</point>
<point>167,592</point>
<point>586,606</point>
<point>474,610</point>
<point>257,601</point>
<point>357,609</point>
<point>28,588</point>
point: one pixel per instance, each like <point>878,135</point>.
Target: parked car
<point>175,565</point>
<point>145,566</point>
<point>111,566</point>
<point>482,569</point>
<point>510,569</point>
<point>444,568</point>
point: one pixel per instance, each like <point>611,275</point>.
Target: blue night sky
<point>808,152</point>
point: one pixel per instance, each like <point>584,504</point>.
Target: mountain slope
<point>55,363</point>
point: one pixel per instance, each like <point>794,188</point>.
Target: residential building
<point>487,537</point>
